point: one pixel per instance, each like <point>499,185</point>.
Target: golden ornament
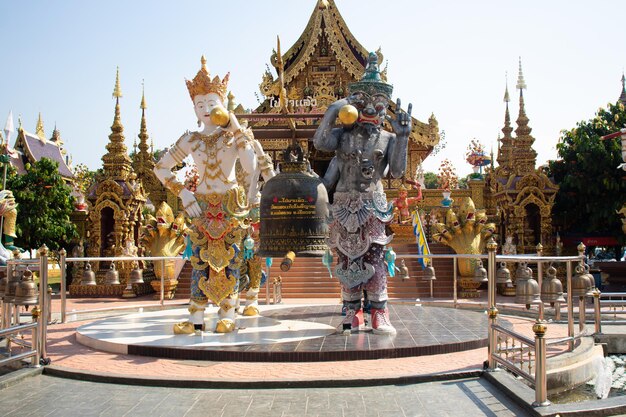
<point>348,114</point>
<point>220,117</point>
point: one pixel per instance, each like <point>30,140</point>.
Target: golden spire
<point>143,96</point>
<point>231,101</point>
<point>39,129</point>
<point>117,164</point>
<point>622,97</point>
<point>143,157</point>
<point>522,119</point>
<point>521,84</point>
<point>117,91</point>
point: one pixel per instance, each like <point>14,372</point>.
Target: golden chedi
<point>348,114</point>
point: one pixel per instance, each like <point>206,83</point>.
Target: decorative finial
<point>143,96</point>
<point>203,62</point>
<point>19,122</point>
<point>521,84</point>
<point>506,88</point>
<point>39,130</point>
<point>117,91</point>
<point>623,81</point>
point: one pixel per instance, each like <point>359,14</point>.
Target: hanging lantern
<point>527,289</point>
<point>112,277</point>
<point>480,273</point>
<point>294,210</point>
<point>503,275</point>
<point>89,277</point>
<point>26,293</point>
<point>551,288</point>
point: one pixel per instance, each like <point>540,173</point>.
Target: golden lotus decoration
<point>466,231</point>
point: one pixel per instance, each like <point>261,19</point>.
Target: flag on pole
<point>420,239</point>
<point>8,127</point>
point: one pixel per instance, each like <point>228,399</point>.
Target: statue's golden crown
<point>202,83</point>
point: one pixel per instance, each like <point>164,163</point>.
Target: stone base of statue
<point>507,291</point>
<point>293,333</point>
<point>469,287</point>
<point>169,288</point>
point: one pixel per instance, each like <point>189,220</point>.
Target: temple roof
<point>33,148</point>
<point>325,19</point>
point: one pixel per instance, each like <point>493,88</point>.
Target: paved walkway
<point>54,397</point>
<point>68,355</point>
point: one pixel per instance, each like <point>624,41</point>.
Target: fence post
<point>570,307</point>
<point>596,308</point>
<point>541,382</point>
<point>492,312</point>
<point>540,279</point>
<point>62,255</point>
<point>43,301</point>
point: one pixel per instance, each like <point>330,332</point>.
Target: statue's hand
<point>339,104</point>
<point>402,123</point>
<point>190,204</point>
<point>233,124</point>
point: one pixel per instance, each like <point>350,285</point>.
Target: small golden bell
<point>348,114</point>
<point>220,116</point>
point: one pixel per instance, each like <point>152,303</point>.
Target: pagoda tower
<point>116,199</point>
<point>523,196</point>
<point>313,73</point>
<point>143,165</point>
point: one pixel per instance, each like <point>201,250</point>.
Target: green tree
<point>44,206</point>
<point>591,186</point>
<point>430,180</point>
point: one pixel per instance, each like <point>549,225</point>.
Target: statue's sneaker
<point>381,323</point>
<point>352,322</point>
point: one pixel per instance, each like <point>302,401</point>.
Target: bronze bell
<point>26,293</point>
<point>429,273</point>
<point>480,273</point>
<point>4,280</point>
<point>89,277</point>
<point>551,288</point>
<point>294,209</point>
<point>503,275</point>
<point>527,289</point>
<point>403,271</point>
<point>590,278</point>
<point>14,280</point>
<point>112,277</point>
<point>580,283</point>
<point>136,276</point>
<point>522,272</point>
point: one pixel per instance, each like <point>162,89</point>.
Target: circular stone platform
<point>290,333</point>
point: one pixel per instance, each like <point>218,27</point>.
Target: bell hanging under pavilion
<point>294,209</point>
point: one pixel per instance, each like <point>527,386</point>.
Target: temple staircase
<point>308,278</point>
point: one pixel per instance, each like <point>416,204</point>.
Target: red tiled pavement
<point>66,353</point>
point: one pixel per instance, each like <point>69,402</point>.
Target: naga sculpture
<point>164,235</point>
<point>465,231</point>
<point>364,153</point>
<point>220,206</point>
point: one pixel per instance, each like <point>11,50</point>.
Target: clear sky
<point>447,58</point>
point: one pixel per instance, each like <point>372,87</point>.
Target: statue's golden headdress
<point>202,83</point>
